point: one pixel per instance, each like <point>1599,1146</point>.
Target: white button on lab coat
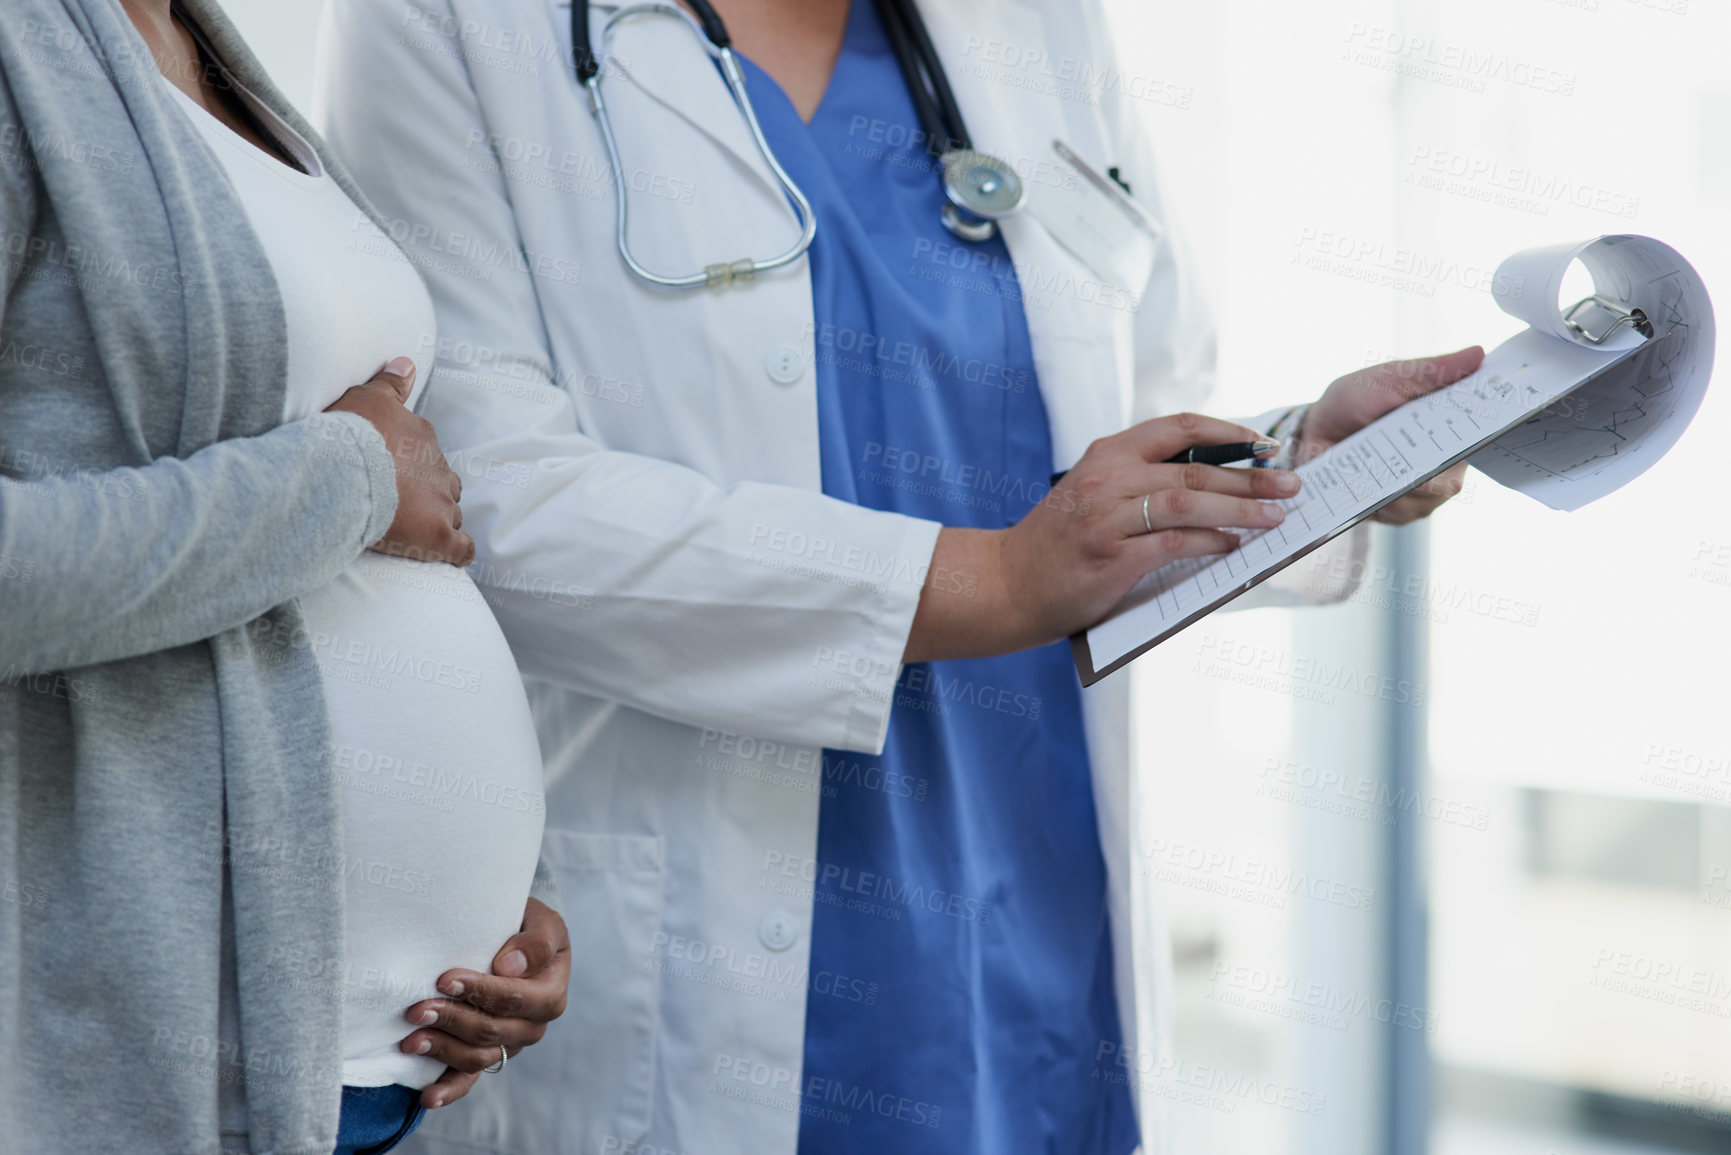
<point>784,365</point>
<point>695,620</point>
<point>777,930</point>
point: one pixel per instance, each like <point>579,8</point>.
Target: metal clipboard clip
<point>1606,316</point>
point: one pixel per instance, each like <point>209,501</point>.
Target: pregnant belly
<point>440,778</point>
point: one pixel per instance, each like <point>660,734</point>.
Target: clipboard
<point>1079,642</point>
<point>1632,360</point>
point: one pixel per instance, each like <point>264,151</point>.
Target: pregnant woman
<point>243,839</point>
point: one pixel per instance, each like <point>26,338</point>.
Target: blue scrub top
<point>961,964</point>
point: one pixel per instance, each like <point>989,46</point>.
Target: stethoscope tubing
<point>929,88</point>
<point>717,274</point>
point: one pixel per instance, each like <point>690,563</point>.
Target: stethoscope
<point>981,189</point>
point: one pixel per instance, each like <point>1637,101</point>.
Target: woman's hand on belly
<point>429,520</point>
<point>509,1008</point>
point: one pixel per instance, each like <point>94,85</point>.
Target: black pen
<point>1228,454</point>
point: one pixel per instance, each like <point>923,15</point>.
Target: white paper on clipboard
<point>1552,413</point>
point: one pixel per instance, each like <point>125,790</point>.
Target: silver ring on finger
<point>500,1065</point>
<point>1147,522</point>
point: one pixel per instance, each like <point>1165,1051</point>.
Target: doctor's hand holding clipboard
<point>1123,511</point>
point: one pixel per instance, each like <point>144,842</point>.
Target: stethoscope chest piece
<point>982,184</point>
<point>984,187</point>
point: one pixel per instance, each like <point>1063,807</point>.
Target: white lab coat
<point>694,619</point>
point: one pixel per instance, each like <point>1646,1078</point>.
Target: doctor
<point>850,860</point>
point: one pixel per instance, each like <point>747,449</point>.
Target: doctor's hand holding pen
<point>1124,510</point>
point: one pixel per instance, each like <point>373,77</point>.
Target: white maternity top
<point>435,749</point>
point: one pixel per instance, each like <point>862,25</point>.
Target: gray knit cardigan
<point>170,879</point>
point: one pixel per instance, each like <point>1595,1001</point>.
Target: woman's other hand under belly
<point>509,1008</point>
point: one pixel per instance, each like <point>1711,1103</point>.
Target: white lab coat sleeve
<point>755,608</point>
<point>1176,351</point>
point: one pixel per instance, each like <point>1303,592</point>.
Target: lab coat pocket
<point>1095,219</point>
<point>612,890</point>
